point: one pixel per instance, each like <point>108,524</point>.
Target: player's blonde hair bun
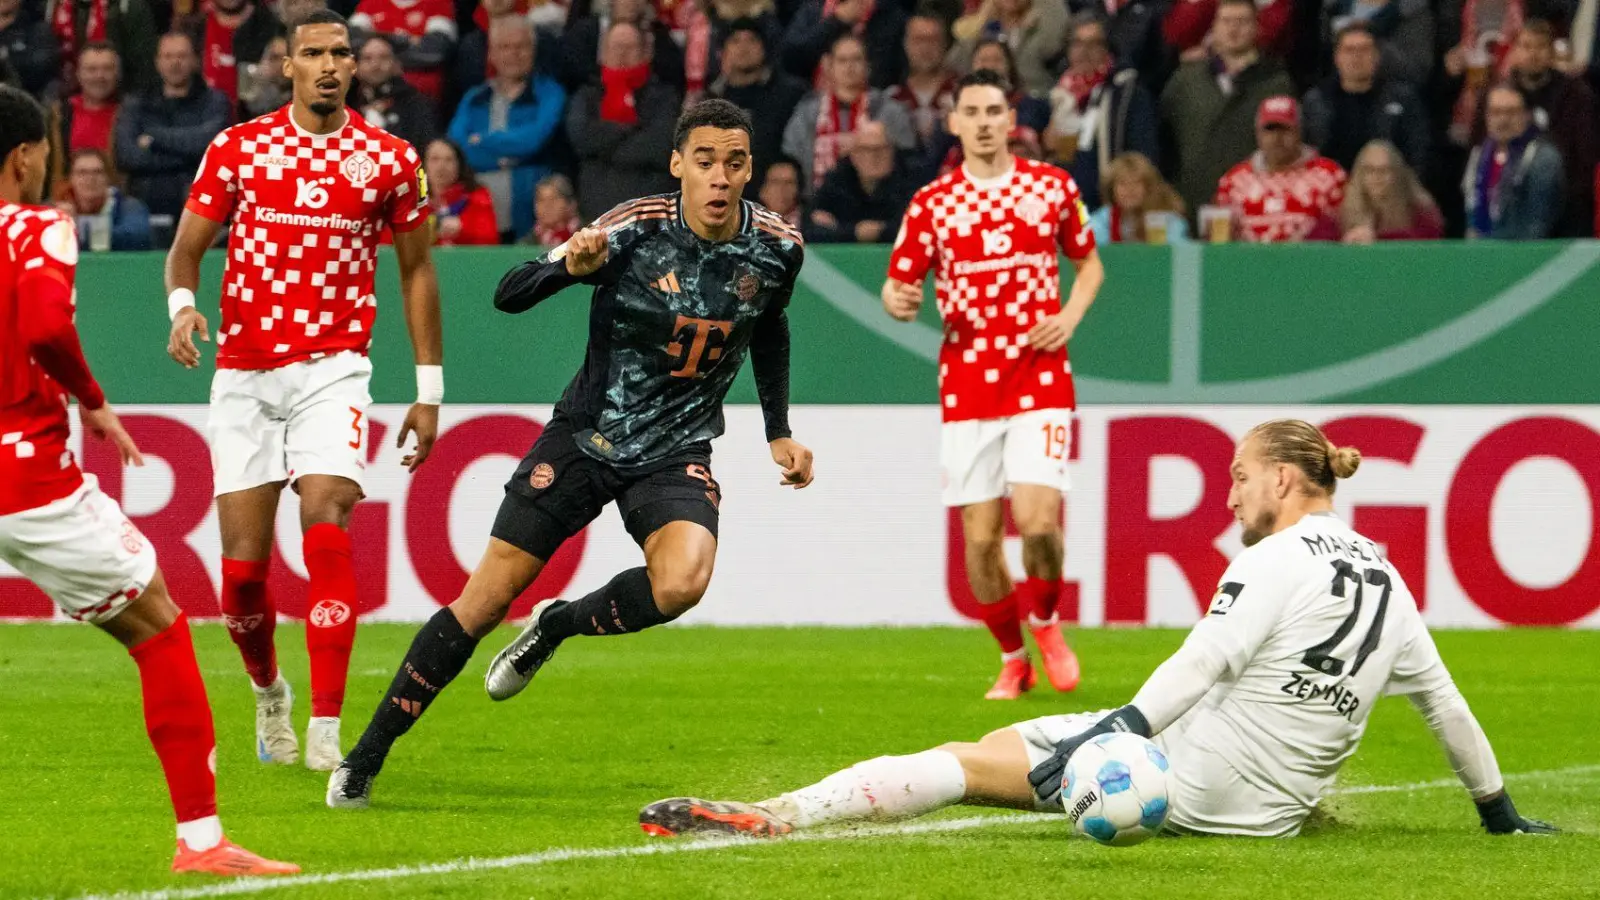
<point>1344,461</point>
<point>1301,444</point>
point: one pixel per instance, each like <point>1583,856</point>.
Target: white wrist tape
<point>430,385</point>
<point>177,300</point>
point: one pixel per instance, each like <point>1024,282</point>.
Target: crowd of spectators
<point>1252,120</point>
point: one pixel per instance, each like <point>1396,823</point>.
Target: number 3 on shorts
<point>1055,441</point>
<point>355,425</point>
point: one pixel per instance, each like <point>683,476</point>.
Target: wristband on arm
<point>177,300</point>
<point>430,385</point>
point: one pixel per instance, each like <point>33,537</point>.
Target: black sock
<point>624,605</point>
<point>438,654</point>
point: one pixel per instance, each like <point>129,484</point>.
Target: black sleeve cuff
<point>1127,719</point>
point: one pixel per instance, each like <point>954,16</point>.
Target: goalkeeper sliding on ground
<point>1259,708</point>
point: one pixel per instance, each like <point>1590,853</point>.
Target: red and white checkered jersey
<point>992,245</point>
<point>1271,207</point>
<point>36,467</point>
<point>308,214</point>
<point>412,18</point>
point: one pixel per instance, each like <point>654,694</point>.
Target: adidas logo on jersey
<point>667,284</point>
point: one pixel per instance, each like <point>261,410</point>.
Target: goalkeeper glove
<point>1046,776</point>
<point>1499,816</point>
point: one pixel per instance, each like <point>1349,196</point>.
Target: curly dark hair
<point>22,120</point>
<point>712,114</point>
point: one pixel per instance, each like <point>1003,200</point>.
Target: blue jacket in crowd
<point>128,220</point>
<point>522,147</point>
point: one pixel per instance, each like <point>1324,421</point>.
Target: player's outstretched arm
<point>1420,674</point>
<point>419,285</point>
<point>537,280</point>
<point>1467,747</point>
<point>195,234</point>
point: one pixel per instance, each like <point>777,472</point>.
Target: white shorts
<point>82,551</point>
<point>306,418</point>
<point>981,457</point>
<point>1207,794</point>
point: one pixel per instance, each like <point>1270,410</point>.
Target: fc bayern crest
<point>358,169</point>
<point>541,477</point>
<point>746,286</point>
<point>1032,209</point>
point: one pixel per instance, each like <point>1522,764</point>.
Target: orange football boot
<point>1016,676</point>
<point>228,858</point>
<point>1060,663</point>
<point>687,815</point>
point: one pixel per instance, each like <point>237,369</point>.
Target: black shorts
<point>558,490</point>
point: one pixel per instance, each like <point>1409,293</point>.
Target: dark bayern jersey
<point>672,318</point>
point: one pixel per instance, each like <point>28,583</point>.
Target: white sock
<point>889,787</point>
<point>1036,622</point>
<point>273,689</point>
<point>201,834</point>
<point>324,721</point>
<point>1019,653</point>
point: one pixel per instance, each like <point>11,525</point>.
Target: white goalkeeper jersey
<point>1308,628</point>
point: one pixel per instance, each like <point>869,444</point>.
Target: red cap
<point>1279,110</point>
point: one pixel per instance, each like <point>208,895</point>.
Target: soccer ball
<point>1115,789</point>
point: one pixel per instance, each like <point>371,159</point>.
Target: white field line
<point>244,886</point>
<point>1451,782</point>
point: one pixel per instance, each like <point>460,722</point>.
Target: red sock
<point>1002,620</point>
<point>1043,596</point>
<point>331,616</point>
<point>178,719</point>
<point>250,618</point>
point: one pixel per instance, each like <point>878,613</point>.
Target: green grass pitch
<point>614,723</point>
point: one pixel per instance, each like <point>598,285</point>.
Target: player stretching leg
<point>1257,710</point>
<point>684,284</point>
<point>311,189</point>
<point>57,528</point>
<point>992,228</point>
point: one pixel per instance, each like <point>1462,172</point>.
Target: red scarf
<point>1117,225</point>
<point>618,87</point>
<point>696,52</point>
<point>217,63</point>
<point>1081,86</point>
<point>835,124</point>
<point>65,27</point>
<point>1499,63</point>
<point>818,80</point>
